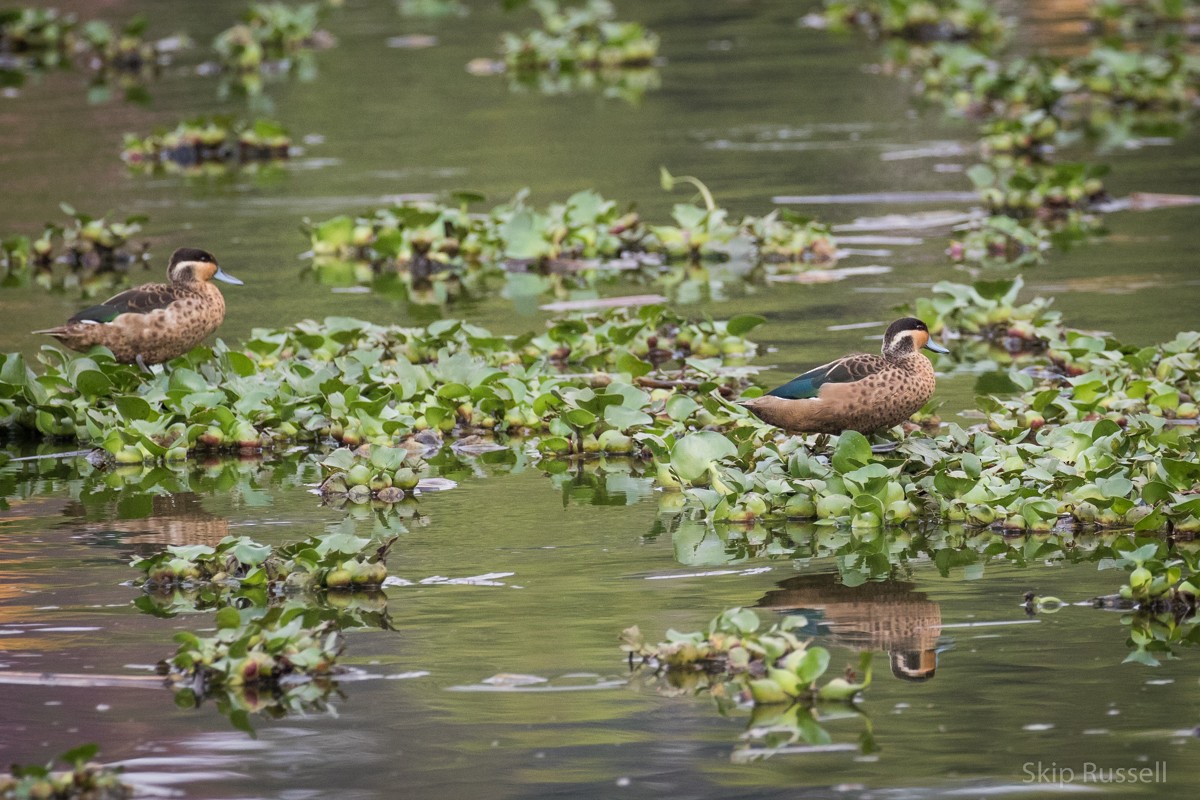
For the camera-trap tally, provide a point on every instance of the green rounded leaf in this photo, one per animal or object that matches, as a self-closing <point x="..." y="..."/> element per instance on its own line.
<point x="694" y="453"/>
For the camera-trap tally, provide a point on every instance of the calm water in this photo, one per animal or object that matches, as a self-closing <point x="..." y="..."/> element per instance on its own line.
<point x="757" y="108"/>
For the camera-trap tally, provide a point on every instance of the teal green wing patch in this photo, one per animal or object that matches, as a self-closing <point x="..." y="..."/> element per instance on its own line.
<point x="141" y="300"/>
<point x="844" y="370"/>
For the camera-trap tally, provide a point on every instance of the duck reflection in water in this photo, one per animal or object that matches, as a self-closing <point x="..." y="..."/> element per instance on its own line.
<point x="172" y="519"/>
<point x="891" y="616"/>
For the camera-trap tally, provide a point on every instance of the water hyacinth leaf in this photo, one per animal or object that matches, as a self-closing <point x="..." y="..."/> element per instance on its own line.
<point x="388" y="458"/>
<point x="92" y="383"/>
<point x="228" y="618"/>
<point x="340" y="459"/>
<point x="680" y="407"/>
<point x="133" y="407"/>
<point x="812" y="664"/>
<point x="629" y="363"/>
<point x="743" y="620"/>
<point x="80" y="755"/>
<point x="454" y="391"/>
<point x="693" y="454"/>
<point x="852" y="451"/>
<point x="580" y="417"/>
<point x="250" y="553"/>
<point x="624" y="417"/>
<point x="742" y="324"/>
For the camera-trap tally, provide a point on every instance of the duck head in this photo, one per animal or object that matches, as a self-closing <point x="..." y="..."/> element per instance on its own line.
<point x="189" y="264"/>
<point x="906" y="336"/>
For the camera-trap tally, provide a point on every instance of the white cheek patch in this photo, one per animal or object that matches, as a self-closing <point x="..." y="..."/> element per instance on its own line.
<point x="89" y="322"/>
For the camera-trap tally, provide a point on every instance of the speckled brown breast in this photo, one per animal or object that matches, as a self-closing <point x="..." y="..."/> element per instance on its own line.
<point x="886" y="397"/>
<point x="157" y="336"/>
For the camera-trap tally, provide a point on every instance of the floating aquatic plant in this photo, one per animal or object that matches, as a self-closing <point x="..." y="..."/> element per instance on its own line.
<point x="84" y="780"/>
<point x="988" y="310"/>
<point x="576" y="38"/>
<point x="93" y="250"/>
<point x="387" y="474"/>
<point x="271" y="32"/>
<point x="38" y="39"/>
<point x="582" y="241"/>
<point x="1000" y="241"/>
<point x="735" y="657"/>
<point x="276" y="661"/>
<point x="198" y="142"/>
<point x="1046" y="193"/>
<point x="333" y="561"/>
<point x="353" y="382"/>
<point x="922" y="20"/>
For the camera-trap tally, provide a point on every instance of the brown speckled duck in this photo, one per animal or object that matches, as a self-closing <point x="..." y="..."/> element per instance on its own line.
<point x="858" y="392"/>
<point x="155" y="322"/>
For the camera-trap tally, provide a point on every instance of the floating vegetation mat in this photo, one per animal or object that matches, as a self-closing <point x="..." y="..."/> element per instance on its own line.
<point x="278" y="661"/>
<point x="739" y="663"/>
<point x="36" y="39"/>
<point x="197" y="144"/>
<point x="924" y="21"/>
<point x="577" y="38"/>
<point x="580" y="242"/>
<point x="89" y="253"/>
<point x="1031" y="107"/>
<point x="83" y="781"/>
<point x="353" y="382"/>
<point x="272" y="34"/>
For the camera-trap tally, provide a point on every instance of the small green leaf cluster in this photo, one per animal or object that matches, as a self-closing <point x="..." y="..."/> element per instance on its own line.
<point x="1161" y="578"/>
<point x="1131" y="17"/>
<point x="256" y="649"/>
<point x="87" y="245"/>
<point x="1000" y="241"/>
<point x="206" y="140"/>
<point x="380" y="473"/>
<point x="332" y="561"/>
<point x="733" y="657"/>
<point x="124" y="50"/>
<point x="579" y="38"/>
<point x="626" y="83"/>
<point x="353" y="382"/>
<point x="271" y="32"/>
<point x="1025" y="138"/>
<point x="1046" y="193"/>
<point x="83" y="781"/>
<point x="44" y="38"/>
<point x="423" y="239"/>
<point x="988" y="311"/>
<point x="1066" y="88"/>
<point x="919" y="20"/>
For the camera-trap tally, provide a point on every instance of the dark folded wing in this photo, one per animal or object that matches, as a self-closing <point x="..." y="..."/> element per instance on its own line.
<point x="141" y="300"/>
<point x="844" y="370"/>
